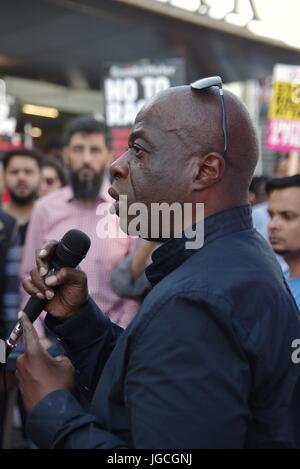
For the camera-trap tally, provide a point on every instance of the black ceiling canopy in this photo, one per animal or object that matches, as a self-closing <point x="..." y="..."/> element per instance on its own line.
<point x="54" y="40"/>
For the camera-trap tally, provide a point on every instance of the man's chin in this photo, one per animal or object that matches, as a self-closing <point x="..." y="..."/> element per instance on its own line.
<point x="281" y="252"/>
<point x="23" y="199"/>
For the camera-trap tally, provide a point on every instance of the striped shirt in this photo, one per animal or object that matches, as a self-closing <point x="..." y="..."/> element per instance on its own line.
<point x="9" y="296"/>
<point x="59" y="212"/>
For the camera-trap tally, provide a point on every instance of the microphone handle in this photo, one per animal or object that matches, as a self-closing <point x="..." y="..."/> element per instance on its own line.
<point x="33" y="309"/>
<point x="65" y="255"/>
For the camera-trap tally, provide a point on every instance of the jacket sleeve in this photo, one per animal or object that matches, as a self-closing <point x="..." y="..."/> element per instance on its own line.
<point x="10" y="300"/>
<point x="58" y="421"/>
<point x="123" y="283"/>
<point x="188" y="379"/>
<point x="186" y="386"/>
<point x="88" y="340"/>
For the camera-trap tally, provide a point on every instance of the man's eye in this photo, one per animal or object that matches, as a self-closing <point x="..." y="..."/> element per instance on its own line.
<point x="77" y="149"/>
<point x="139" y="151"/>
<point x="288" y="216"/>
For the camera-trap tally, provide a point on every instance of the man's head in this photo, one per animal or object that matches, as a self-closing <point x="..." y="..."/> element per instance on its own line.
<point x="54" y="149"/>
<point x="87" y="154"/>
<point x="281" y="166"/>
<point x="257" y="190"/>
<point x="22" y="174"/>
<point x="284" y="210"/>
<point x="176" y="150"/>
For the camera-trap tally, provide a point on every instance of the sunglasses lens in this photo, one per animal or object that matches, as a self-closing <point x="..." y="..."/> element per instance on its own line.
<point x="49" y="181"/>
<point x="207" y="83"/>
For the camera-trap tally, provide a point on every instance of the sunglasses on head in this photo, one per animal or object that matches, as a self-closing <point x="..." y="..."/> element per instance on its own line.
<point x="208" y="82"/>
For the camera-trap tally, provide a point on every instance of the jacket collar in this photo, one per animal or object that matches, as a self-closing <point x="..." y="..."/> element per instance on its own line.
<point x="172" y="253"/>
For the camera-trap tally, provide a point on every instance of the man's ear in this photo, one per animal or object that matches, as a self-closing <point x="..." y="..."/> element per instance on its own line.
<point x="209" y="169"/>
<point x="251" y="198"/>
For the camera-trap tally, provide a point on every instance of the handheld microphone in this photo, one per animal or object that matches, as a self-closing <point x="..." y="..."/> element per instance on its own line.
<point x="69" y="252"/>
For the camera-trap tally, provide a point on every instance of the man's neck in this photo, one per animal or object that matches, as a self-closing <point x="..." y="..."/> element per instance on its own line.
<point x="294" y="265"/>
<point x="21" y="212"/>
<point x="221" y="201"/>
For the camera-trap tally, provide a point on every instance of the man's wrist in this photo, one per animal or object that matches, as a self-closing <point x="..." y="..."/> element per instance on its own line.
<point x="73" y="314"/>
<point x="89" y="325"/>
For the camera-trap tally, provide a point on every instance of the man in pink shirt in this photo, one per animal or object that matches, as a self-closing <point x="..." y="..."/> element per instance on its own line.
<point x="78" y="206"/>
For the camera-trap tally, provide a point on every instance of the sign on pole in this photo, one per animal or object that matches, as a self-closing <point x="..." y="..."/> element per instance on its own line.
<point x="7" y="122"/>
<point x="284" y="112"/>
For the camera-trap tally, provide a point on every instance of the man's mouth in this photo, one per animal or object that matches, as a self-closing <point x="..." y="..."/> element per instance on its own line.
<point x="86" y="171"/>
<point x="115" y="207"/>
<point x="113" y="193"/>
<point x="22" y="187"/>
<point x="274" y="240"/>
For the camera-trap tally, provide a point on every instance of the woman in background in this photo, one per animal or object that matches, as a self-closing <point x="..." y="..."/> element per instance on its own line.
<point x="53" y="177"/>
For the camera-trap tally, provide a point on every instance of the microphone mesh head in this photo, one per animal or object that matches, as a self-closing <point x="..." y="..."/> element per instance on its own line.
<point x="77" y="242"/>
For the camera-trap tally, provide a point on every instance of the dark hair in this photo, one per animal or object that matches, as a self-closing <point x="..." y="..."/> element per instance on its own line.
<point x="88" y="125"/>
<point x="283" y="183"/>
<point x="28" y="152"/>
<point x="53" y="144"/>
<point x="60" y="171"/>
<point x="258" y="184"/>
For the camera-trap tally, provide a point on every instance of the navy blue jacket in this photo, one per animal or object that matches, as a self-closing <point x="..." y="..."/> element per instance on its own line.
<point x="206" y="363"/>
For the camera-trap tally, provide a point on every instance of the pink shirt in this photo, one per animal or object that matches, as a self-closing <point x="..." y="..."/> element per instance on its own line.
<point x="59" y="212"/>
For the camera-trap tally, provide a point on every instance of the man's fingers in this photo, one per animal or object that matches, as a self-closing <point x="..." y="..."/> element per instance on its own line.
<point x="43" y="255"/>
<point x="59" y="358"/>
<point x="66" y="276"/>
<point x="63" y="359"/>
<point x="31" y="339"/>
<point x="35" y="286"/>
<point x="39" y="283"/>
<point x="66" y="367"/>
<point x="31" y="289"/>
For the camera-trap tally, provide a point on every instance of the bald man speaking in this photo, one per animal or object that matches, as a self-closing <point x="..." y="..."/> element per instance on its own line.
<point x="207" y="361"/>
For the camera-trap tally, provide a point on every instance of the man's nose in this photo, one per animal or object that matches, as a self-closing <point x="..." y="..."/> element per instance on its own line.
<point x="87" y="156"/>
<point x="119" y="168"/>
<point x="22" y="176"/>
<point x="273" y="224"/>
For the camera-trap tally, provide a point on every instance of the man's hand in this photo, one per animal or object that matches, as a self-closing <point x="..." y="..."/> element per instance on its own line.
<point x="38" y="373"/>
<point x="71" y="292"/>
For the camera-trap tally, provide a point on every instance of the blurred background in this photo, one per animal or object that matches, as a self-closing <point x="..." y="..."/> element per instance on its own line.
<point x="98" y="61"/>
<point x="56" y="55"/>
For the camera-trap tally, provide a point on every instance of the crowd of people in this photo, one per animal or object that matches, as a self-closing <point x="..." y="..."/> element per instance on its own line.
<point x="43" y="197"/>
<point x="276" y="216"/>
